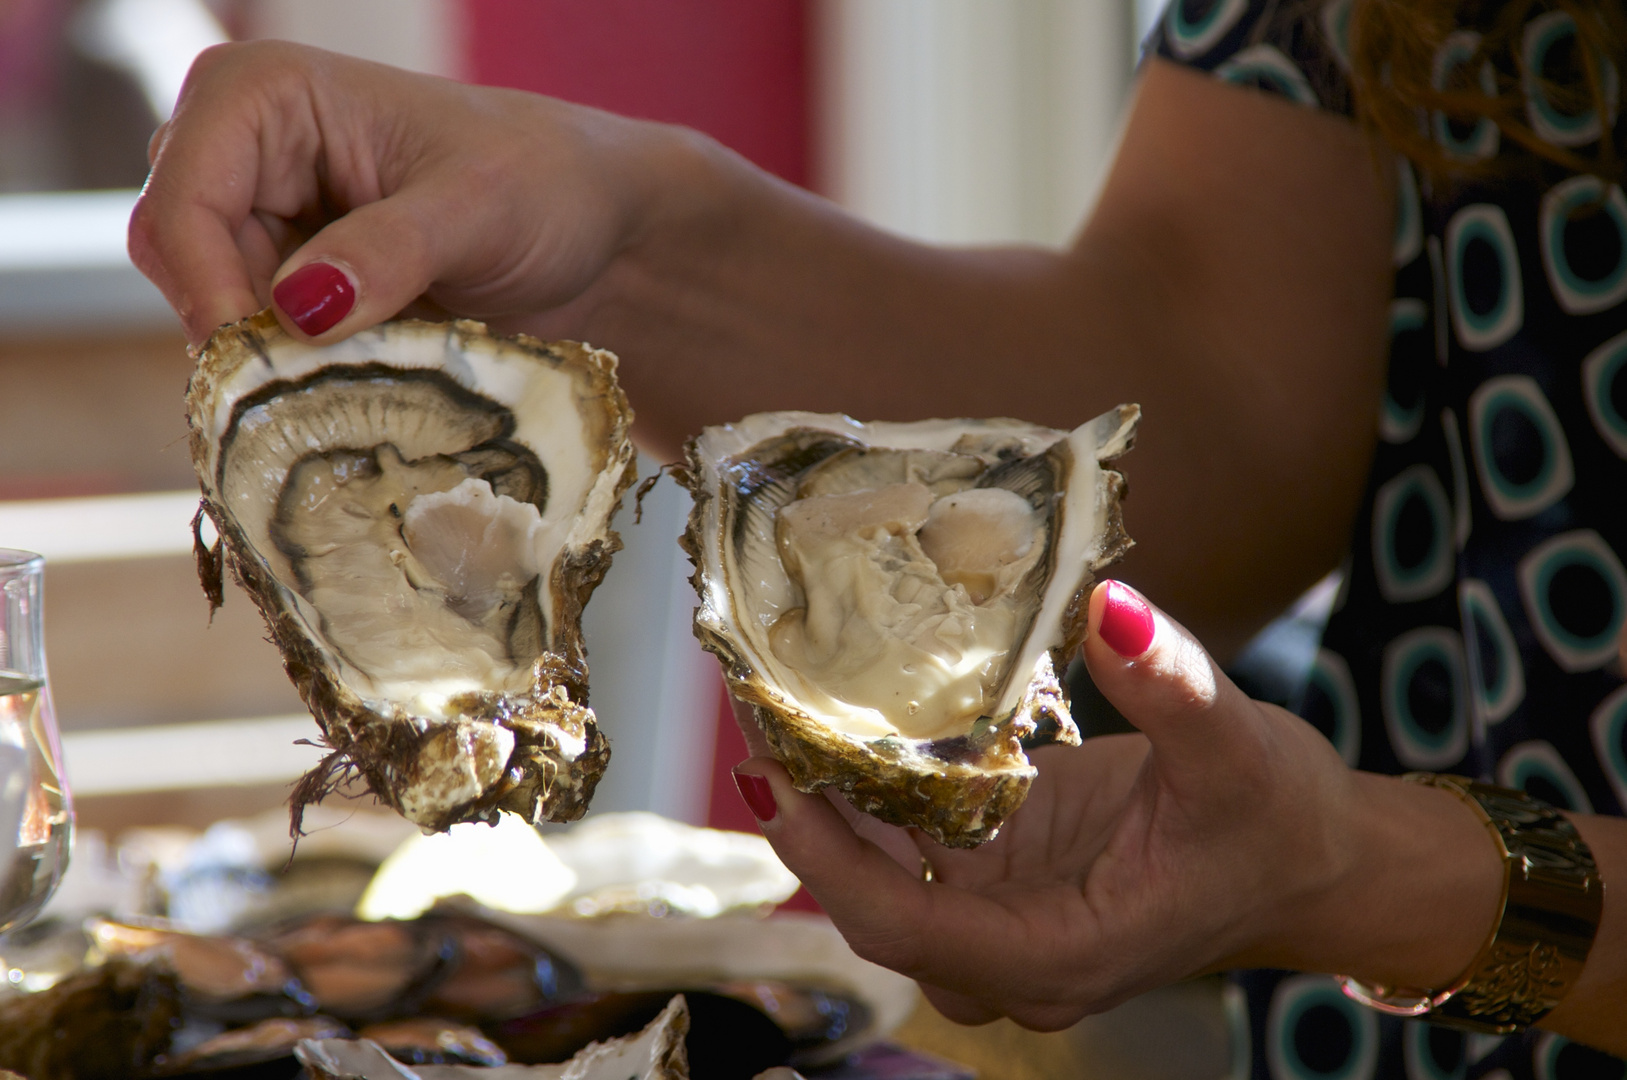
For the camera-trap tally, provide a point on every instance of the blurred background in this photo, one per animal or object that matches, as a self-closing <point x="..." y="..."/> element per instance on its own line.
<point x="961" y="121"/>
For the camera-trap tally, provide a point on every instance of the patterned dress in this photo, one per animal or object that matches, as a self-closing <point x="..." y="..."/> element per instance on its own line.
<point x="1484" y="595"/>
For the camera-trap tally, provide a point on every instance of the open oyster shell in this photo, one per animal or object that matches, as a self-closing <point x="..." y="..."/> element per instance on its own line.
<point x="655" y="1053"/>
<point x="896" y="600"/>
<point x="420" y="513"/>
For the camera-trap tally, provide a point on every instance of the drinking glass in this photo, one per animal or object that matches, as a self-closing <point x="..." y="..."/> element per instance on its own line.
<point x="36" y="811"/>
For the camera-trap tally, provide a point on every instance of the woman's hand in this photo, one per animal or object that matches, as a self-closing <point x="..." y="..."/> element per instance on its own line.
<point x="1228" y="833"/>
<point x="490" y="202"/>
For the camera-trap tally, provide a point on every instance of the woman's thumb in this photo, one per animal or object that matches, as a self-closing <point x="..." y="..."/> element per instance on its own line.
<point x="1162" y="680"/>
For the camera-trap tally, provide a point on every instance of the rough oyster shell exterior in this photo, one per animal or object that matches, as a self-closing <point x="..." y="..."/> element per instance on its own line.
<point x="958" y="790"/>
<point x="535" y="750"/>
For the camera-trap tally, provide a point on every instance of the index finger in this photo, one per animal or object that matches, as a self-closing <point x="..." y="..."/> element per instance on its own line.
<point x="193" y="232"/>
<point x="1002" y="948"/>
<point x="191" y="254"/>
<point x="756" y="741"/>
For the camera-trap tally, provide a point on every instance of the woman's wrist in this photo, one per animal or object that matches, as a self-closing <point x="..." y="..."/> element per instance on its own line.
<point x="1430" y="889"/>
<point x="676" y="194"/>
<point x="1413" y="897"/>
<point x="673" y="185"/>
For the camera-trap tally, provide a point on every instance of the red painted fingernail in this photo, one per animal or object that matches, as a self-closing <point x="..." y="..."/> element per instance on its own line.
<point x="1126" y="622"/>
<point x="759" y="795"/>
<point x="316" y="297"/>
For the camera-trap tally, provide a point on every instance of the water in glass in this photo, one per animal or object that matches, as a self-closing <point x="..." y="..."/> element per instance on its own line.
<point x="36" y="810"/>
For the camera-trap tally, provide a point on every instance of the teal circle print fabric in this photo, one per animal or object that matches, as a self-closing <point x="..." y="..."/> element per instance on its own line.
<point x="1479" y="624"/>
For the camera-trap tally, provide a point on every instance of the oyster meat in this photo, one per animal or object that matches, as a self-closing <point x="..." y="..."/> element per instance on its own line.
<point x="895" y="601"/>
<point x="420" y="513"/>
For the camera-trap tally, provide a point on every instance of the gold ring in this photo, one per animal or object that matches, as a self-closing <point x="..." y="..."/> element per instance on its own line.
<point x="927" y="873"/>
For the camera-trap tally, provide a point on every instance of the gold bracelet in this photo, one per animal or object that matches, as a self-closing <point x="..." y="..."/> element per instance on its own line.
<point x="1546" y="921"/>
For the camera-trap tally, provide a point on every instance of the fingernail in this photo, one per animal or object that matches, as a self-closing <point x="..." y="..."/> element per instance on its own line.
<point x="1126" y="622"/>
<point x="316" y="297"/>
<point x="759" y="795"/>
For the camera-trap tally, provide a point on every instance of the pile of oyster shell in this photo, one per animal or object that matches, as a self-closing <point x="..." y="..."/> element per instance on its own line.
<point x="446" y="989"/>
<point x="422" y="511"/>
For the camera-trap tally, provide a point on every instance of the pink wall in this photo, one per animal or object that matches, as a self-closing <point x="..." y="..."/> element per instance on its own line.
<point x="735" y="69"/>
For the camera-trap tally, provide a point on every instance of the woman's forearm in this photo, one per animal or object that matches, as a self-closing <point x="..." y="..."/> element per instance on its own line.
<point x="1253" y="339"/>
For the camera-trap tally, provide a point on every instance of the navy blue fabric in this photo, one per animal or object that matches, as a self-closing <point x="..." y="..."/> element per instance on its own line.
<point x="1484" y="594"/>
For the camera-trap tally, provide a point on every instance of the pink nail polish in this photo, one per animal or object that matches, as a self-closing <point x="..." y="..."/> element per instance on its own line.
<point x="759" y="796"/>
<point x="1127" y="624"/>
<point x="316" y="297"/>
